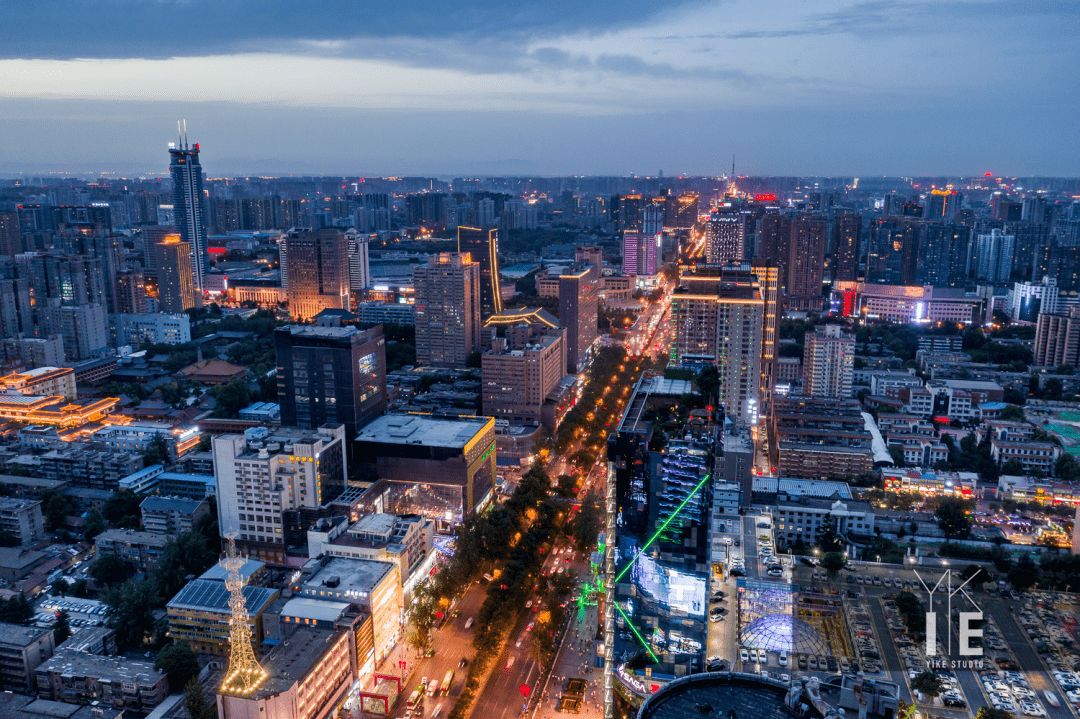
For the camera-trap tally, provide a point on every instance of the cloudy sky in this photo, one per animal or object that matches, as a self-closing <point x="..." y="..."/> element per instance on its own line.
<point x="790" y="87"/>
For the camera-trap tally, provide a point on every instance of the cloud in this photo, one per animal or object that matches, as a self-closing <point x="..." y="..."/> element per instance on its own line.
<point x="900" y="17"/>
<point x="154" y="29"/>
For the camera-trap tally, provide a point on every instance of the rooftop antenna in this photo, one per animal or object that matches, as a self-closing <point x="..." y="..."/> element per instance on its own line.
<point x="186" y="145"/>
<point x="732" y="165"/>
<point x="179" y="135"/>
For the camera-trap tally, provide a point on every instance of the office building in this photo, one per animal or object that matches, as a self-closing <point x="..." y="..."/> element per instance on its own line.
<point x="139" y="438"/>
<point x="1035" y="457"/>
<point x="483" y="248"/>
<point x="800" y="521"/>
<point x="308" y="675"/>
<point x="847" y="245"/>
<point x="189" y="210"/>
<point x="993" y="256"/>
<point x="805" y="263"/>
<point x="1026" y="301"/>
<point x="724" y="238"/>
<point x="521" y="370"/>
<point x="942" y="205"/>
<point x="828" y="362"/>
<point x="22" y="651"/>
<point x="317" y="273"/>
<point x="199" y="613"/>
<point x="578" y="311"/>
<point x="907" y="303"/>
<point x="135" y="330"/>
<point x="176" y="283"/>
<point x="141" y="549"/>
<point x="375" y="587"/>
<point x="447" y="309"/>
<point x="402" y="540"/>
<point x="943" y="255"/>
<point x="117" y="682"/>
<point x="330" y="375"/>
<point x="21" y="518"/>
<point x="441" y="467"/>
<point x="1057" y="339"/>
<point x="265" y="480"/>
<point x="171" y="515"/>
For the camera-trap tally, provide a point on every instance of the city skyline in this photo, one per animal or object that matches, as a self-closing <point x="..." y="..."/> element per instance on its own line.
<point x="847" y="88"/>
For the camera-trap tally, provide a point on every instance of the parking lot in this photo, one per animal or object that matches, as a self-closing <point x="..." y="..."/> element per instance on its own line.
<point x="1029" y="643"/>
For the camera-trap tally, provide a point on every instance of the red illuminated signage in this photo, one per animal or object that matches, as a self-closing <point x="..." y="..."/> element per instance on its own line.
<point x="764" y="198"/>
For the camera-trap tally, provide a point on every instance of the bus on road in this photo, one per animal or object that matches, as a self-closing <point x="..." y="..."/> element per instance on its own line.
<point x="446" y="682"/>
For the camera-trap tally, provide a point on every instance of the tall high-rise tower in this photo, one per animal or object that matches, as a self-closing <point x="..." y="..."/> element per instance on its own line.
<point x="828" y="362"/>
<point x="189" y="207"/>
<point x="448" y="292"/>
<point x="176" y="288"/>
<point x="483" y="246"/>
<point x="316" y="272"/>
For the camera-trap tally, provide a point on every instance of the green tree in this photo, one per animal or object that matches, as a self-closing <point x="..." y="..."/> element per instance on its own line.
<point x="928" y="683"/>
<point x="992" y="713"/>
<point x="59" y="587"/>
<point x="16" y="610"/>
<point x="708" y="381"/>
<point x="132" y="612"/>
<point x="122" y="509"/>
<point x="1013" y="413"/>
<point x="205" y="443"/>
<point x="832" y="563"/>
<point x="62" y="628"/>
<point x="1012" y="466"/>
<point x="187" y="554"/>
<point x="178" y="662"/>
<point x="78" y="589"/>
<point x="93" y="524"/>
<point x="1023" y="574"/>
<point x="952" y="517"/>
<point x="422" y="617"/>
<point x="566" y="485"/>
<point x="57" y="508"/>
<point x="587" y="523"/>
<point x="897" y="454"/>
<point x="912" y="612"/>
<point x="828" y="541"/>
<point x="110" y="569"/>
<point x="231" y="398"/>
<point x="156" y="452"/>
<point x="196" y="703"/>
<point x="976" y="573"/>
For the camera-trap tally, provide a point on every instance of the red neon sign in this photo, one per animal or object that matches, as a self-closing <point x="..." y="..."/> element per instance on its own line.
<point x="765" y="198"/>
<point x="216" y="249"/>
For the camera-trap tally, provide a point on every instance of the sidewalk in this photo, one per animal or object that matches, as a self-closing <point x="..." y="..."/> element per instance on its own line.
<point x="575" y="659"/>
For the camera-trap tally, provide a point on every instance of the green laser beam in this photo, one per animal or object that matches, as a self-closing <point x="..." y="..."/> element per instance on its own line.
<point x="637" y="633"/>
<point x="662" y="527"/>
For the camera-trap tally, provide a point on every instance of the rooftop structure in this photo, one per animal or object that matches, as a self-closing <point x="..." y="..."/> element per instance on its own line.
<point x="429" y="464"/>
<point x="43" y="381"/>
<point x="17" y="706"/>
<point x="114" y="681"/>
<point x="54" y="409"/>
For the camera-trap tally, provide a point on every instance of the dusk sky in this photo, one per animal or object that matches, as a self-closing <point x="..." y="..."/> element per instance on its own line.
<point x="555" y="87"/>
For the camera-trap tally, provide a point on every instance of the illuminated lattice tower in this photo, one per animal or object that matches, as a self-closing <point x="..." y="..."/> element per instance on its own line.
<point x="244" y="675"/>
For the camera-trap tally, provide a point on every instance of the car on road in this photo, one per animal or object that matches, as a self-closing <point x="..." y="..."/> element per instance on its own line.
<point x="529" y="626"/>
<point x="464" y="661"/>
<point x="813" y="663"/>
<point x="803" y="662"/>
<point x="743" y="655"/>
<point x="469" y="622"/>
<point x="858" y="579"/>
<point x="775" y="572"/>
<point x="783" y="658"/>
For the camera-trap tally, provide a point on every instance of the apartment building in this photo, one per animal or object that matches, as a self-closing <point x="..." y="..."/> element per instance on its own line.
<point x="21" y="518"/>
<point x="142" y="549"/>
<point x="172" y="515"/>
<point x="117" y="682"/>
<point x="22" y="650"/>
<point x="265" y="478"/>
